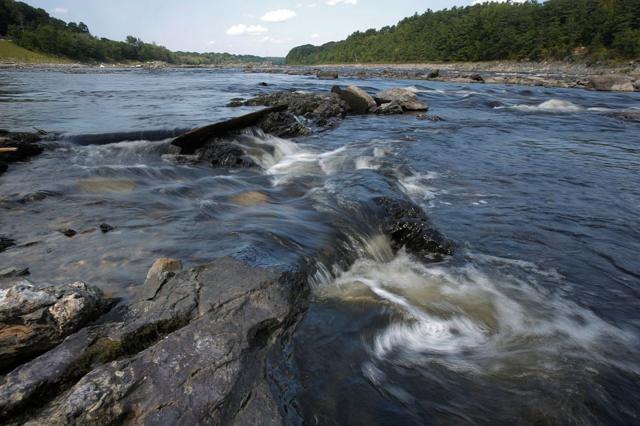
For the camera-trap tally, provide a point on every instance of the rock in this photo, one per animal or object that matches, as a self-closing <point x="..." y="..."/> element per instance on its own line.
<point x="27" y="144"/>
<point x="106" y="185"/>
<point x="13" y="272"/>
<point x="429" y="117"/>
<point x="611" y="82"/>
<point x="628" y="115"/>
<point x="262" y="83"/>
<point x="327" y="75"/>
<point x="33" y="320"/>
<point x="284" y="125"/>
<point x="636" y="85"/>
<point x="434" y="74"/>
<point x="359" y="101"/>
<point x="105" y="228"/>
<point x="251" y="198"/>
<point x="406" y="98"/>
<point x="161" y="270"/>
<point x="236" y="102"/>
<point x="68" y="232"/>
<point x="390" y="108"/>
<point x="408" y="226"/>
<point x="195" y="354"/>
<point x="5" y="243"/>
<point x="476" y="77"/>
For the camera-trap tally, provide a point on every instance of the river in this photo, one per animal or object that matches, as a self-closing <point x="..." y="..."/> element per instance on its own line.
<point x="535" y="319"/>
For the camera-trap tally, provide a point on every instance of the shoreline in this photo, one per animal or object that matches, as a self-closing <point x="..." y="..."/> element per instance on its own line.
<point x="602" y="77"/>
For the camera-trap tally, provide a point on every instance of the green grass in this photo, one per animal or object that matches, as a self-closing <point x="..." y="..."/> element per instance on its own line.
<point x="12" y="53"/>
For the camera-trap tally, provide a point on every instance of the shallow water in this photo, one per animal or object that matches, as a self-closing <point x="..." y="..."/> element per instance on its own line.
<point x="535" y="319"/>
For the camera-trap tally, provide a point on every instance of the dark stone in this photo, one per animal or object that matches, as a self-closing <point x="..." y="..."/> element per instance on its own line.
<point x="236" y="102"/>
<point x="434" y="74"/>
<point x="327" y="75"/>
<point x="3" y="167"/>
<point x="27" y="144"/>
<point x="390" y="108"/>
<point x="262" y="83"/>
<point x="70" y="233"/>
<point x="6" y="242"/>
<point x="105" y="228"/>
<point x="429" y="117"/>
<point x="476" y="77"/>
<point x="408" y="226"/>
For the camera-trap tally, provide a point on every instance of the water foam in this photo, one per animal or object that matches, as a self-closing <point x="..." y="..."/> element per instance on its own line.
<point x="465" y="318"/>
<point x="552" y="105"/>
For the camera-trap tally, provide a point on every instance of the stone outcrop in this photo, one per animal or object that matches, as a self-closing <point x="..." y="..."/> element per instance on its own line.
<point x="407" y="99"/>
<point x="33" y="320"/>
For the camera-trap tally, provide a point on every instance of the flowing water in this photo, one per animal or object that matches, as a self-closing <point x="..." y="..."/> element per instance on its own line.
<point x="535" y="319"/>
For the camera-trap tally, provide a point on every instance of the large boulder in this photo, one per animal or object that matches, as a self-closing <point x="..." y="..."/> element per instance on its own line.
<point x="405" y="97"/>
<point x="611" y="83"/>
<point x="359" y="101"/>
<point x="33" y="320"/>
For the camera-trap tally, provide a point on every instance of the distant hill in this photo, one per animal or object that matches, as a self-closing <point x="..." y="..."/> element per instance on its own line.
<point x="34" y="30"/>
<point x="555" y="29"/>
<point x="11" y="52"/>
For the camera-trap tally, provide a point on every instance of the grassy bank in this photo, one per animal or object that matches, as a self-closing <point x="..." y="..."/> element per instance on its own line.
<point x="12" y="53"/>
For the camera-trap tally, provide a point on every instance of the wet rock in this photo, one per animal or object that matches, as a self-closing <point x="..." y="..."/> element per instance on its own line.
<point x="236" y="102"/>
<point x="327" y="75"/>
<point x="195" y="353"/>
<point x="27" y="145"/>
<point x="390" y="108"/>
<point x="106" y="228"/>
<point x="6" y="242"/>
<point x="433" y="74"/>
<point x="13" y="272"/>
<point x="408" y="226"/>
<point x="406" y="98"/>
<point x="308" y="105"/>
<point x="33" y="320"/>
<point x="262" y="83"/>
<point x="284" y="125"/>
<point x="68" y="232"/>
<point x="476" y="78"/>
<point x="628" y="115"/>
<point x="359" y="101"/>
<point x="611" y="82"/>
<point x="429" y="117"/>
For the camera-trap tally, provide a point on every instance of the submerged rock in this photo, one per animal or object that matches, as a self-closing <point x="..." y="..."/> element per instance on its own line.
<point x="628" y="115"/>
<point x="33" y="320"/>
<point x="406" y="98"/>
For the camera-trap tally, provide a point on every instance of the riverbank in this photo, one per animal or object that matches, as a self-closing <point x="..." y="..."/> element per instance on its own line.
<point x="604" y="77"/>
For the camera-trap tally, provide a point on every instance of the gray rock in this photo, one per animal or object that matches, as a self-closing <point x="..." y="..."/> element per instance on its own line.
<point x="406" y="98"/>
<point x="390" y="108"/>
<point x="210" y="365"/>
<point x="359" y="101"/>
<point x="327" y="75"/>
<point x="611" y="82"/>
<point x="33" y="320"/>
<point x="28" y="145"/>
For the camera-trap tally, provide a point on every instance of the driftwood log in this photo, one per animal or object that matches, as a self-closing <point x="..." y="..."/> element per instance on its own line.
<point x="194" y="139"/>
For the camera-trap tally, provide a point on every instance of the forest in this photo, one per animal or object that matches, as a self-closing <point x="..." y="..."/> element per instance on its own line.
<point x="589" y="30"/>
<point x="36" y="30"/>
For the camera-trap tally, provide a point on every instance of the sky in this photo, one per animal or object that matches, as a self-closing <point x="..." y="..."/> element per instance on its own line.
<point x="257" y="27"/>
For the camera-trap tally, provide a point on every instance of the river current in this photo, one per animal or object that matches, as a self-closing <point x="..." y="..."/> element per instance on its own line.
<point x="535" y="319"/>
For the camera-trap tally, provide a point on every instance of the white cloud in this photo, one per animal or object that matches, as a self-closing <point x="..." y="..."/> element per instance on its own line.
<point x="60" y="10"/>
<point x="242" y="29"/>
<point x="212" y="42"/>
<point x="310" y="5"/>
<point x="335" y="2"/>
<point x="316" y="35"/>
<point x="279" y="15"/>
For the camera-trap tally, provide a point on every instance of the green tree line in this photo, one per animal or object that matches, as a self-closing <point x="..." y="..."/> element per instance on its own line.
<point x="554" y="29"/>
<point x="35" y="30"/>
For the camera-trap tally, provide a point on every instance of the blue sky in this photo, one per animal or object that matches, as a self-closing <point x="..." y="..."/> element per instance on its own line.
<point x="265" y="27"/>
